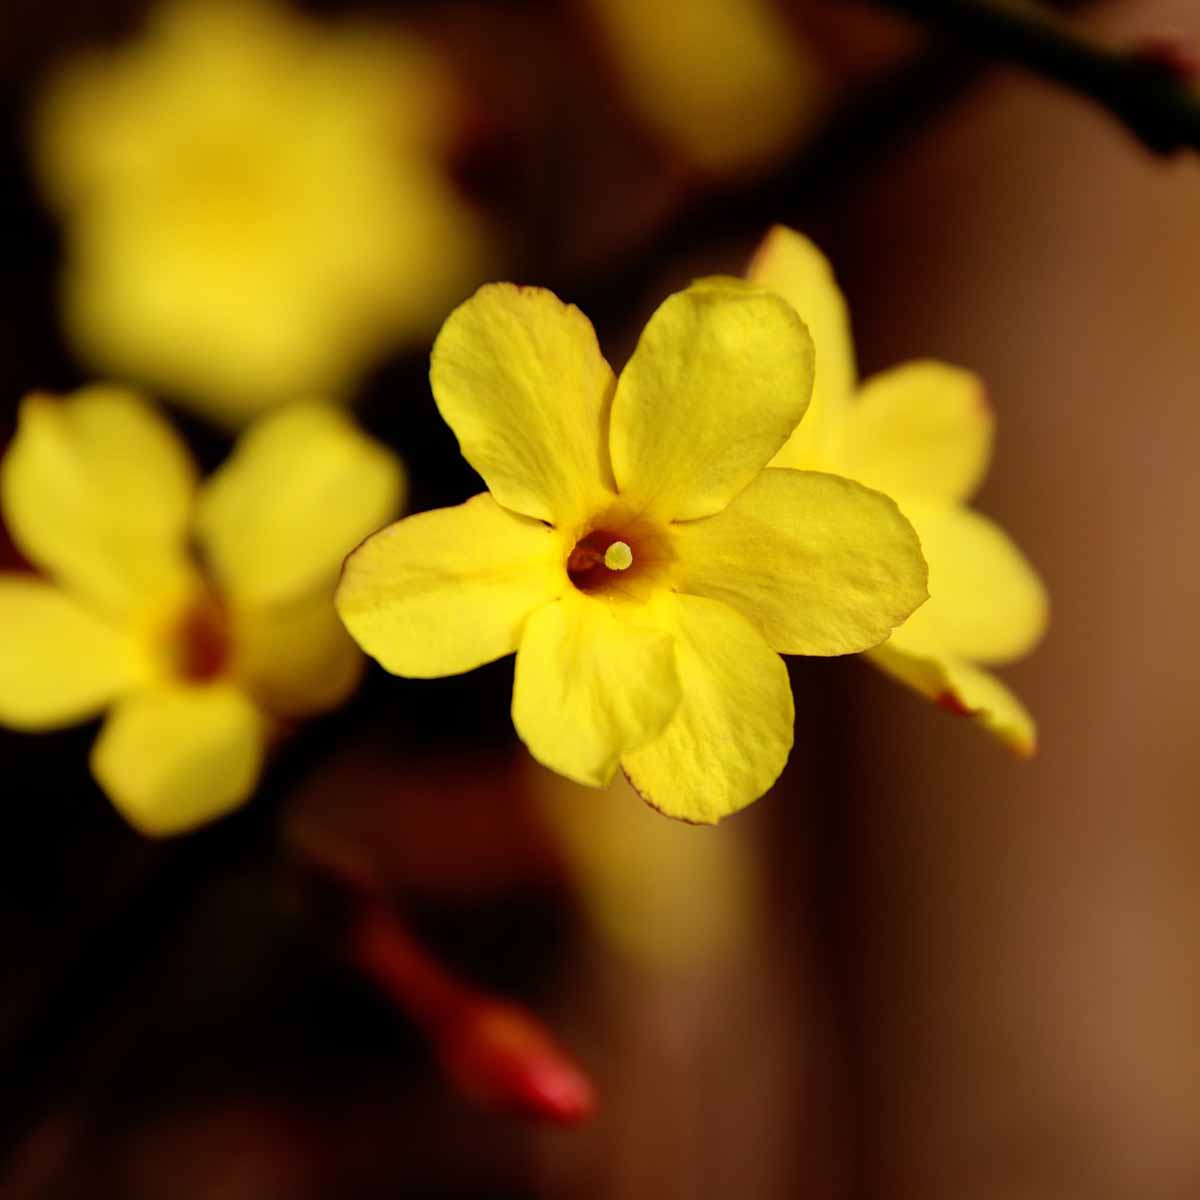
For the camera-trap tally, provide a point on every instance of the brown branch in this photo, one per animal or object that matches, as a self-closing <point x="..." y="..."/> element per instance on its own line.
<point x="1150" y="89"/>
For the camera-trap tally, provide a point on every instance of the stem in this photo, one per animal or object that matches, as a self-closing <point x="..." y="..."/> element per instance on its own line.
<point x="495" y="1051"/>
<point x="1147" y="89"/>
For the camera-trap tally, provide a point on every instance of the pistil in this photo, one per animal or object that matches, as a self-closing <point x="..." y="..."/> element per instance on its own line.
<point x="618" y="557"/>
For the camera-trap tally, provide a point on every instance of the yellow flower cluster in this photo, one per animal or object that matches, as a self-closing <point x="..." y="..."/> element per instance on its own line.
<point x="648" y="547"/>
<point x="256" y="209"/>
<point x="647" y="565"/>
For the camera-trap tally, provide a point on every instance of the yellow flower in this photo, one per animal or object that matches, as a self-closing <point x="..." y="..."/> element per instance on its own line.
<point x="199" y="665"/>
<point x="921" y="433"/>
<point x="728" y="84"/>
<point x="632" y="550"/>
<point x="255" y="205"/>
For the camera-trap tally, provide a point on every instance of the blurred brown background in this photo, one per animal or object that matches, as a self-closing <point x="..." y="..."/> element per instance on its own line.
<point x="975" y="977"/>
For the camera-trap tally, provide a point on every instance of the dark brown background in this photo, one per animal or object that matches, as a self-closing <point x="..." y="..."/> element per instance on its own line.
<point x="979" y="977"/>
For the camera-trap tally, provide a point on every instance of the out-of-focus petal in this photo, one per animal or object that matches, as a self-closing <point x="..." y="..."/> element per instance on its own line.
<point x="819" y="563"/>
<point x="594" y="679"/>
<point x="727" y="83"/>
<point x="302" y="488"/>
<point x="519" y="377"/>
<point x="446" y="591"/>
<point x="985" y="599"/>
<point x="667" y="895"/>
<point x="791" y="266"/>
<point x="176" y="757"/>
<point x="97" y="490"/>
<point x="720" y="378"/>
<point x="916" y="657"/>
<point x="731" y="733"/>
<point x="59" y="663"/>
<point x="296" y="658"/>
<point x="922" y="429"/>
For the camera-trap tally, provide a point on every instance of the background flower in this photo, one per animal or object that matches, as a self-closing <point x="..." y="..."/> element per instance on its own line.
<point x="256" y="206"/>
<point x="921" y="433"/>
<point x="728" y="85"/>
<point x="199" y="663"/>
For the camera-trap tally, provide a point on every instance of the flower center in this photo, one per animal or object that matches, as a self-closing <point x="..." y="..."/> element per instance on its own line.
<point x="622" y="555"/>
<point x="595" y="557"/>
<point x="203" y="646"/>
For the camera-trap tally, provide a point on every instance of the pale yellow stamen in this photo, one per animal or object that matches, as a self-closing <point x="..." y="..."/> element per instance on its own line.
<point x="618" y="557"/>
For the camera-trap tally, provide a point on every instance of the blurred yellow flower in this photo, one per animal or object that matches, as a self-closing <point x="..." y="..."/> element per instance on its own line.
<point x="633" y="551"/>
<point x="667" y="896"/>
<point x="255" y="205"/>
<point x="199" y="663"/>
<point x="728" y="84"/>
<point x="921" y="433"/>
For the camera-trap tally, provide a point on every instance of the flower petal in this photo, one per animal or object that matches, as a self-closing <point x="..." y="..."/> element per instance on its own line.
<point x="177" y="757"/>
<point x="791" y="266"/>
<point x="919" y="661"/>
<point x="98" y="490"/>
<point x="922" y="429"/>
<point x="302" y="488"/>
<point x="731" y="734"/>
<point x="593" y="681"/>
<point x="59" y="663"/>
<point x="822" y="565"/>
<point x="449" y="590"/>
<point x="985" y="600"/>
<point x="519" y="377"/>
<point x="720" y="378"/>
<point x="296" y="659"/>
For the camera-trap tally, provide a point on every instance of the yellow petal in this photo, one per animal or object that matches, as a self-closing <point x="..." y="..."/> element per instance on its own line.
<point x="59" y="663"/>
<point x="446" y="591"/>
<point x="821" y="564"/>
<point x="985" y="600"/>
<point x="959" y="687"/>
<point x="519" y="377"/>
<point x="594" y="680"/>
<point x="719" y="379"/>
<point x="791" y="266"/>
<point x="297" y="658"/>
<point x="731" y="734"/>
<point x="98" y="490"/>
<point x="726" y="82"/>
<point x="302" y="488"/>
<point x="922" y="429"/>
<point x="174" y="758"/>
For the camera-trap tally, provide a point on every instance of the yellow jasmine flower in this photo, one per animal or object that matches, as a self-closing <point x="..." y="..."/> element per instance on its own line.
<point x="197" y="662"/>
<point x="632" y="550"/>
<point x="255" y="205"/>
<point x="921" y="433"/>
<point x="729" y="84"/>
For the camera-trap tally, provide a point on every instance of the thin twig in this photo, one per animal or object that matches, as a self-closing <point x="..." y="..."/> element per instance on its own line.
<point x="1149" y="88"/>
<point x="494" y="1050"/>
